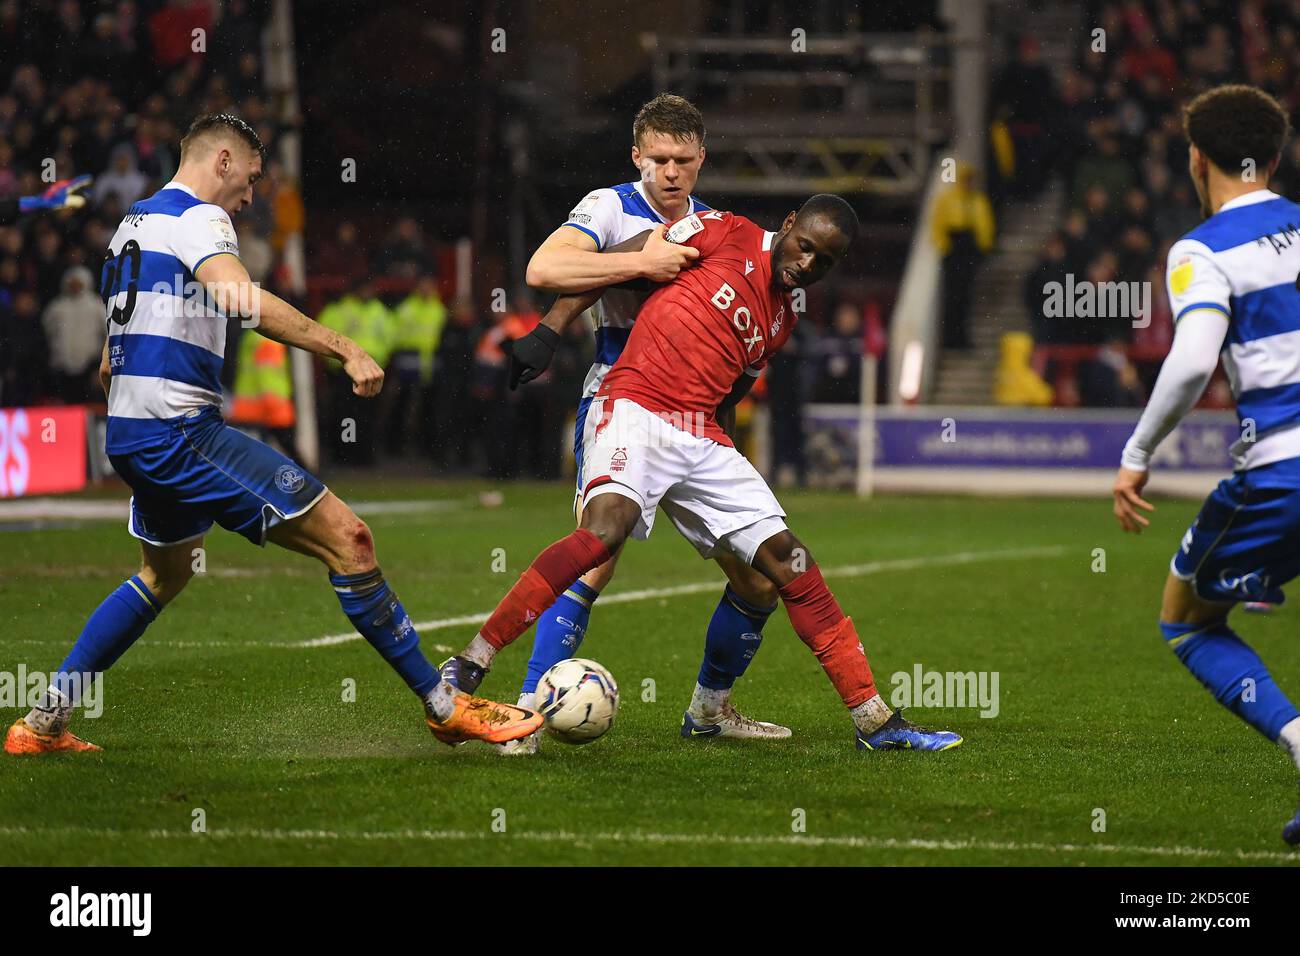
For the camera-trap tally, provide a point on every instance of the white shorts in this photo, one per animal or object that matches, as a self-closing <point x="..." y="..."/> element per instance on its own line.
<point x="710" y="492"/>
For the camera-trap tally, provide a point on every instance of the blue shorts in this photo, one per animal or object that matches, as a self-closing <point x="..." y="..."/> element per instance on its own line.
<point x="1245" y="543"/>
<point x="579" y="426"/>
<point x="208" y="472"/>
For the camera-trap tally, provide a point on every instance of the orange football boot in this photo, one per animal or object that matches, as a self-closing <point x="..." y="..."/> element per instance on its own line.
<point x="476" y="718"/>
<point x="21" y="739"/>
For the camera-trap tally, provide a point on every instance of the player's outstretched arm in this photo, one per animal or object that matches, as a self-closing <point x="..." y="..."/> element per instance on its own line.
<point x="531" y="355"/>
<point x="1183" y="377"/>
<point x="568" y="261"/>
<point x="227" y="282"/>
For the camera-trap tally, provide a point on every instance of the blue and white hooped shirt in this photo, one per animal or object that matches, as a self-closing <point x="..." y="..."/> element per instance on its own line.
<point x="610" y="216"/>
<point x="1244" y="262"/>
<point x="166" y="339"/>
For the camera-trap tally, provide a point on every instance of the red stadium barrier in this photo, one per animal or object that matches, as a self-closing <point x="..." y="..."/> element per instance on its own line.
<point x="42" y="450"/>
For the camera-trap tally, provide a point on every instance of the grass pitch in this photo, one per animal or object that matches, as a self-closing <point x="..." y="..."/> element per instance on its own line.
<point x="224" y="706"/>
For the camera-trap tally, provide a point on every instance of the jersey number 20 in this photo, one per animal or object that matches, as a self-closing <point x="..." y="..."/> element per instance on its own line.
<point x="112" y="269"/>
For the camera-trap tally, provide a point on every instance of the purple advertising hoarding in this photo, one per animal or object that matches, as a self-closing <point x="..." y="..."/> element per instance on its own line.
<point x="1017" y="438"/>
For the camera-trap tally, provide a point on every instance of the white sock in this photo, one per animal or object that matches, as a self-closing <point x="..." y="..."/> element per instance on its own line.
<point x="479" y="651"/>
<point x="527" y="701"/>
<point x="1290" y="739"/>
<point x="51" y="715"/>
<point x="708" y="703"/>
<point x="441" y="701"/>
<point x="870" y="716"/>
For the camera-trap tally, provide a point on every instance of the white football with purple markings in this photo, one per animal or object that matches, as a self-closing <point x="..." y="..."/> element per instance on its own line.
<point x="579" y="699"/>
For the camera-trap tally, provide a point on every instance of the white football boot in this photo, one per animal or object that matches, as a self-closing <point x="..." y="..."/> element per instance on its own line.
<point x="711" y="715"/>
<point x="523" y="746"/>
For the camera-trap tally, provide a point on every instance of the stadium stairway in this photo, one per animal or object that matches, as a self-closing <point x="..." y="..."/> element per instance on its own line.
<point x="966" y="377"/>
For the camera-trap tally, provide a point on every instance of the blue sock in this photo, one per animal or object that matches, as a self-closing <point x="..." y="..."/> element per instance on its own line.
<point x="116" y="624"/>
<point x="379" y="617"/>
<point x="560" y="631"/>
<point x="1233" y="673"/>
<point x="734" y="635"/>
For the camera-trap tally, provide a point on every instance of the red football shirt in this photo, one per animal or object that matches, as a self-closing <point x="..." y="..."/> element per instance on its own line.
<point x="719" y="319"/>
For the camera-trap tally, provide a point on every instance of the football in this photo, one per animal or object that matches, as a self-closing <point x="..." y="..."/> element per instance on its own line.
<point x="579" y="699"/>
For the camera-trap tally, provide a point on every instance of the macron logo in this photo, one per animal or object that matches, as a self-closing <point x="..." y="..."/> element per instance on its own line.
<point x="749" y="266"/>
<point x="103" y="909"/>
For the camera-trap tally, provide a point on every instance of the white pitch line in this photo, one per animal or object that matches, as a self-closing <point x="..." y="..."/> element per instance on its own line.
<point x="646" y="594"/>
<point x="182" y="645"/>
<point x="638" y="837"/>
<point x="620" y="597"/>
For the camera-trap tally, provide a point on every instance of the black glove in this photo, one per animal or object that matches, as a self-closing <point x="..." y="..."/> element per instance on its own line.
<point x="530" y="356"/>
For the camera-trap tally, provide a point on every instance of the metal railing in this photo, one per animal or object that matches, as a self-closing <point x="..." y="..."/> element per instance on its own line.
<point x="879" y="108"/>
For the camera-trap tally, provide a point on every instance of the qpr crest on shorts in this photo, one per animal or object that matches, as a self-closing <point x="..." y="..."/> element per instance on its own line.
<point x="289" y="479"/>
<point x="1252" y="585"/>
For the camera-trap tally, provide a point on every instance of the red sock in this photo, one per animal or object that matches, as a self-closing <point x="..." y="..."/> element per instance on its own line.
<point x="537" y="588"/>
<point x="819" y="622"/>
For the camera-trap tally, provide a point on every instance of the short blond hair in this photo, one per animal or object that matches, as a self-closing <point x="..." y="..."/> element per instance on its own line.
<point x="220" y="124"/>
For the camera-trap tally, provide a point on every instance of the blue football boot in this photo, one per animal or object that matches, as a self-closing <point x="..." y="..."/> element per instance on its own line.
<point x="462" y="673"/>
<point x="901" y="734"/>
<point x="1291" y="832"/>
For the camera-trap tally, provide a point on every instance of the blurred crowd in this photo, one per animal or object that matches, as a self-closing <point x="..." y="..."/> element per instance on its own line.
<point x="447" y="395"/>
<point x="106" y="88"/>
<point x="1112" y="130"/>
